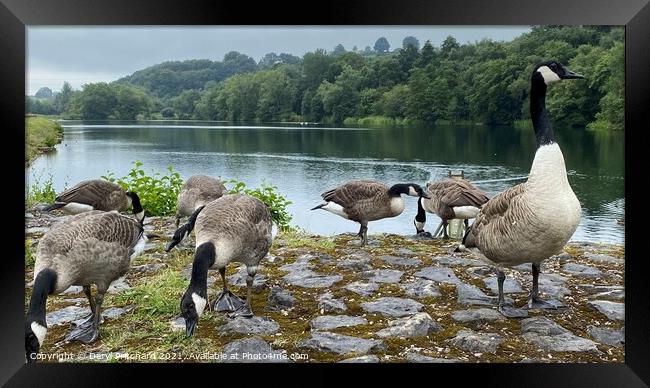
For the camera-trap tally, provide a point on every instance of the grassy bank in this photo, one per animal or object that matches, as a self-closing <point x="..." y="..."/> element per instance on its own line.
<point x="41" y="136"/>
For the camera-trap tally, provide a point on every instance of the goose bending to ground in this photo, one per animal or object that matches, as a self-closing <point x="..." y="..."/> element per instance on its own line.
<point x="450" y="199"/>
<point x="197" y="191"/>
<point x="97" y="194"/>
<point x="94" y="247"/>
<point x="534" y="220"/>
<point x="235" y="227"/>
<point x="363" y="201"/>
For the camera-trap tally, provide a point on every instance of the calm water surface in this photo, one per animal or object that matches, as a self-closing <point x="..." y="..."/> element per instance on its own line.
<point x="304" y="161"/>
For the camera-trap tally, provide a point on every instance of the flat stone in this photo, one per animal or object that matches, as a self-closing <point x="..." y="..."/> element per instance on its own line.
<point x="473" y="342"/>
<point x="369" y="359"/>
<point x="440" y="275"/>
<point x="118" y="286"/>
<point x="472" y="295"/>
<point x="479" y="272"/>
<point x="327" y="322"/>
<point x="581" y="270"/>
<point x="357" y="263"/>
<point x="510" y="285"/>
<point x="525" y="267"/>
<point x="383" y="275"/>
<point x="550" y="336"/>
<point x="37" y="230"/>
<point x="254" y="325"/>
<point x="476" y="315"/>
<point x="613" y="310"/>
<point x="611" y="337"/>
<point x="177" y="324"/>
<point x="149" y="268"/>
<point x="329" y="304"/>
<point x="252" y="349"/>
<point x="116" y="312"/>
<point x="363" y="289"/>
<point x="65" y="315"/>
<point x="420" y="358"/>
<point x="553" y="285"/>
<point x="339" y="343"/>
<point x="401" y="261"/>
<point x="404" y="252"/>
<point x="238" y="279"/>
<point x="72" y="290"/>
<point x="421" y="288"/>
<point x="418" y="325"/>
<point x="393" y="307"/>
<point x="280" y="299"/>
<point x="311" y="279"/>
<point x="458" y="261"/>
<point x="296" y="266"/>
<point x="600" y="258"/>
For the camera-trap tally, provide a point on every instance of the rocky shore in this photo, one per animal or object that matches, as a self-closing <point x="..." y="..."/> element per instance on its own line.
<point x="326" y="299"/>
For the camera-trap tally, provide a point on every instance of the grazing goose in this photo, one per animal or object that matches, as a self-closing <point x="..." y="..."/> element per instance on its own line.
<point x="367" y="200"/>
<point x="450" y="199"/>
<point x="235" y="227"/>
<point x="197" y="191"/>
<point x="94" y="247"/>
<point x="535" y="219"/>
<point x="97" y="194"/>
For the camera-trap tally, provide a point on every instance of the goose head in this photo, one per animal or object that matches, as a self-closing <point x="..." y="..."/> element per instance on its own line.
<point x="34" y="337"/>
<point x="411" y="189"/>
<point x="549" y="72"/>
<point x="134" y="200"/>
<point x="192" y="307"/>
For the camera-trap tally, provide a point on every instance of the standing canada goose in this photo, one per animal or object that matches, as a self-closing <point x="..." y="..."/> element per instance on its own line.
<point x="535" y="219"/>
<point x="94" y="247"/>
<point x="368" y="200"/>
<point x="235" y="227"/>
<point x="97" y="194"/>
<point x="450" y="199"/>
<point x="197" y="191"/>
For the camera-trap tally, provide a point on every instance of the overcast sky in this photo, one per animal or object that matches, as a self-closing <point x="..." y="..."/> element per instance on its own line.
<point x="93" y="54"/>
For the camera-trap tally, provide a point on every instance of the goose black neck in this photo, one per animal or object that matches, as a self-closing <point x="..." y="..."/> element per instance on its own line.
<point x="203" y="260"/>
<point x="44" y="285"/>
<point x="541" y="123"/>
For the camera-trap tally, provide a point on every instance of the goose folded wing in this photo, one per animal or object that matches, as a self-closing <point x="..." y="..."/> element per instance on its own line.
<point x="85" y="193"/>
<point x="349" y="195"/>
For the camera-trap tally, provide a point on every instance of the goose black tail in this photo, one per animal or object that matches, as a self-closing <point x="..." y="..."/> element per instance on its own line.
<point x="54" y="206"/>
<point x="318" y="207"/>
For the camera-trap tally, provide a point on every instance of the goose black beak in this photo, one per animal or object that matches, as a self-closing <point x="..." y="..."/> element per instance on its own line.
<point x="190" y="325"/>
<point x="568" y="74"/>
<point x="171" y="245"/>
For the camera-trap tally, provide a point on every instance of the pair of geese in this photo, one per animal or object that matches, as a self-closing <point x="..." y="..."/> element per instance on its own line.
<point x="526" y="223"/>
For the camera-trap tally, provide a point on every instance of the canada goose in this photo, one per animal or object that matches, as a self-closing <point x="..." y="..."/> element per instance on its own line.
<point x="94" y="247"/>
<point x="368" y="200"/>
<point x="535" y="219"/>
<point x="450" y="199"/>
<point x="97" y="194"/>
<point x="235" y="227"/>
<point x="197" y="191"/>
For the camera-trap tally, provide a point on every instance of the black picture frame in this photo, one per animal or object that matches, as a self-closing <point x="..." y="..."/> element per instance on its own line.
<point x="15" y="15"/>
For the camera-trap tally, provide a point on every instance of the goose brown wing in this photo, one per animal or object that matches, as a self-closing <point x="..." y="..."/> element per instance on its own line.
<point x="355" y="193"/>
<point x="466" y="194"/>
<point x="495" y="216"/>
<point x="90" y="192"/>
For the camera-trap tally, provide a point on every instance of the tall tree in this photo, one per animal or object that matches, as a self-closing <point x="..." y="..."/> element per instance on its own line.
<point x="411" y="41"/>
<point x="382" y="45"/>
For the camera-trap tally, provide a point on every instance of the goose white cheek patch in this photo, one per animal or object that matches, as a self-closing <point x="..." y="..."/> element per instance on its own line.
<point x="412" y="192"/>
<point x="548" y="74"/>
<point x="199" y="303"/>
<point x="39" y="332"/>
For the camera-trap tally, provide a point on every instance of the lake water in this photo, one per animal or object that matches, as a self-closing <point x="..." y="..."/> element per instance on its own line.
<point x="304" y="161"/>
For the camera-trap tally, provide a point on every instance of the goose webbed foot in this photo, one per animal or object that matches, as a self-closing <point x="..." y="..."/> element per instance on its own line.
<point x="86" y="332"/>
<point x="227" y="301"/>
<point x="243" y="311"/>
<point x="538" y="303"/>
<point x="424" y="234"/>
<point x="512" y="312"/>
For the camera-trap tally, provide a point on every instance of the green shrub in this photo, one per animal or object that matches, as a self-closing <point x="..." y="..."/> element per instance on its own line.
<point x="41" y="192"/>
<point x="276" y="202"/>
<point x="158" y="193"/>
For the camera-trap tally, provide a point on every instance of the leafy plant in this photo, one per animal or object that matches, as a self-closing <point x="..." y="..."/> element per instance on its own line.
<point x="41" y="192"/>
<point x="158" y="193"/>
<point x="276" y="202"/>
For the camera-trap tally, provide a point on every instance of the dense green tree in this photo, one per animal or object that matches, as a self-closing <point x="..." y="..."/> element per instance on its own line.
<point x="44" y="92"/>
<point x="339" y="49"/>
<point x="62" y="99"/>
<point x="411" y="41"/>
<point x="382" y="45"/>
